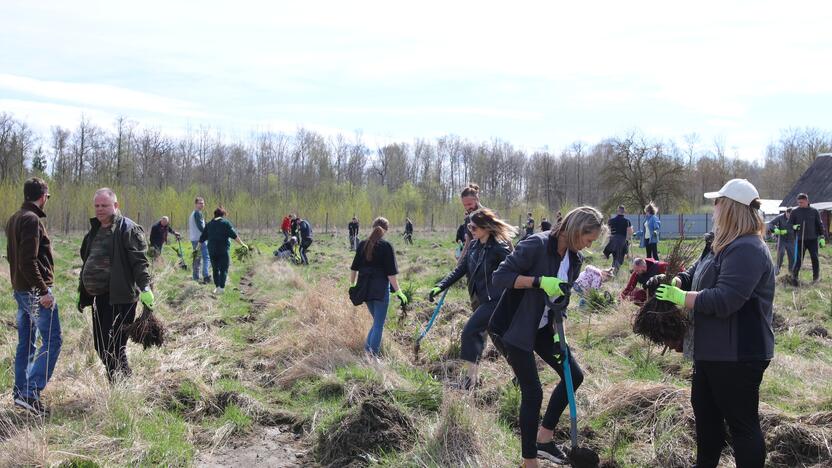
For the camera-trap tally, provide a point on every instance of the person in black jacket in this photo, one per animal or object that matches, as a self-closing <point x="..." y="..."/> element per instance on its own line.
<point x="375" y="263"/>
<point x="491" y="245"/>
<point x="730" y="291"/>
<point x="352" y="227"/>
<point x="408" y="231"/>
<point x="783" y="229"/>
<point x="522" y="324"/>
<point x="809" y="234"/>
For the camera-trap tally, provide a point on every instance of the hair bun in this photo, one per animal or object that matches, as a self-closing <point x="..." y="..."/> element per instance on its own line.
<point x="755" y="203"/>
<point x="474" y="187"/>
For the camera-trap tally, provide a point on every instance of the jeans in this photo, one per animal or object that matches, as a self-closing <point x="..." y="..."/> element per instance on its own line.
<point x="220" y="262"/>
<point x="531" y="390"/>
<point x="784" y="247"/>
<point x="802" y="246"/>
<point x="728" y="392"/>
<point x="109" y="339"/>
<point x="33" y="370"/>
<point x="378" y="310"/>
<point x="201" y="258"/>
<point x="652" y="251"/>
<point x="473" y="334"/>
<point x="304" y="246"/>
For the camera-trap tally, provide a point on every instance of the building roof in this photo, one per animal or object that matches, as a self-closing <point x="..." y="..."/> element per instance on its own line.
<point x="770" y="206"/>
<point x="815" y="182"/>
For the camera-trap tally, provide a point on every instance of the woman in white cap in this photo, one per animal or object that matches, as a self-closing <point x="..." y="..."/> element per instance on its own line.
<point x="730" y="291"/>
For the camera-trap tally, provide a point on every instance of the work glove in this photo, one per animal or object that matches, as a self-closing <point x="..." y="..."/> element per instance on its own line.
<point x="672" y="294"/>
<point x="796" y="227"/>
<point x="244" y="246"/>
<point x="434" y="292"/>
<point x="822" y="242"/>
<point x="147" y="298"/>
<point x="401" y="296"/>
<point x="551" y="285"/>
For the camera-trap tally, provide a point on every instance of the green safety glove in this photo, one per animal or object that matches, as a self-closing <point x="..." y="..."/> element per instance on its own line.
<point x="822" y="242"/>
<point x="401" y="296"/>
<point x="551" y="285"/>
<point x="147" y="298"/>
<point x="434" y="292"/>
<point x="796" y="227"/>
<point x="672" y="294"/>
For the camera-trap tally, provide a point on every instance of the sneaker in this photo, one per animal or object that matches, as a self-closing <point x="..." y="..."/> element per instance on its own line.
<point x="32" y="405"/>
<point x="551" y="452"/>
<point x="219" y="290"/>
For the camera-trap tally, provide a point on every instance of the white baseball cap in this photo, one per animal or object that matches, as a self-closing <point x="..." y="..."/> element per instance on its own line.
<point x="739" y="190"/>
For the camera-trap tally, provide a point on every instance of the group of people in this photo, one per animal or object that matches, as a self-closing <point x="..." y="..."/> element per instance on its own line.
<point x="114" y="278"/>
<point x="797" y="231"/>
<point x="729" y="293"/>
<point x="297" y="238"/>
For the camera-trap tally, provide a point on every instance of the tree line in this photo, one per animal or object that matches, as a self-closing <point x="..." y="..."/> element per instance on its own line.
<point x="330" y="178"/>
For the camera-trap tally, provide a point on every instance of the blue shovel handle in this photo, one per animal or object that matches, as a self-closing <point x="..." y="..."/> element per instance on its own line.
<point x="558" y="307"/>
<point x="433" y="317"/>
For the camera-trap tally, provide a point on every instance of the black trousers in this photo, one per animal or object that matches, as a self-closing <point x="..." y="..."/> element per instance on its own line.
<point x="472" y="342"/>
<point x="728" y="392"/>
<point x="802" y="246"/>
<point x="109" y="340"/>
<point x="304" y="246"/>
<point x="531" y="390"/>
<point x="652" y="251"/>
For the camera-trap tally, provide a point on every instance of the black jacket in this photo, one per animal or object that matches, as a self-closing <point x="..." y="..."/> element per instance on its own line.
<point x="519" y="311"/>
<point x="128" y="266"/>
<point x="480" y="262"/>
<point x="29" y="250"/>
<point x="809" y="220"/>
<point x="780" y="222"/>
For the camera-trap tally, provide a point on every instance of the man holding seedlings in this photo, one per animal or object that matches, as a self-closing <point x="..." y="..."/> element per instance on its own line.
<point x="159" y="234"/>
<point x="809" y="235"/>
<point x="114" y="277"/>
<point x="352" y="227"/>
<point x="29" y="252"/>
<point x="196" y="224"/>
<point x="643" y="270"/>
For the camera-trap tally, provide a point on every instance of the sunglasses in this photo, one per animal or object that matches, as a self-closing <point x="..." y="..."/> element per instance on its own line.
<point x="472" y="227"/>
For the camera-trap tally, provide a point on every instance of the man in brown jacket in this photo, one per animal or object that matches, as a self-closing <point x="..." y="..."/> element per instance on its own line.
<point x="29" y="253"/>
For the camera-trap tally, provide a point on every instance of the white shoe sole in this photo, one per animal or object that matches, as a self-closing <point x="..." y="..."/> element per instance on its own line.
<point x="552" y="458"/>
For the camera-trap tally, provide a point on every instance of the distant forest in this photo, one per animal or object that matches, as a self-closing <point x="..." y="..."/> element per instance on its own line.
<point x="327" y="179"/>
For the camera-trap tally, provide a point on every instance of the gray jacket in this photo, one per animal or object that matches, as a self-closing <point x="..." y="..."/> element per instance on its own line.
<point x="781" y="222"/>
<point x="518" y="313"/>
<point x="733" y="311"/>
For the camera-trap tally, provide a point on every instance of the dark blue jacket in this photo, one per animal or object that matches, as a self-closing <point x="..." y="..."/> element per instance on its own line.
<point x="517" y="315"/>
<point x="733" y="311"/>
<point x="479" y="264"/>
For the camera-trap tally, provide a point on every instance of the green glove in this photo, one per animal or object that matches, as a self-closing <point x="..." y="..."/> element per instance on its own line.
<point x="434" y="292"/>
<point x="147" y="298"/>
<point x="672" y="294"/>
<point x="401" y="296"/>
<point x="551" y="285"/>
<point x="780" y="232"/>
<point x="822" y="242"/>
<point x="796" y="227"/>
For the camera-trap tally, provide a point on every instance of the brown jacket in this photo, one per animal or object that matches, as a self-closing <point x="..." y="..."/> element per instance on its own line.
<point x="29" y="250"/>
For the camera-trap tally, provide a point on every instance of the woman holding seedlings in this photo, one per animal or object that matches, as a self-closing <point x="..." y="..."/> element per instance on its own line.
<point x="490" y="246"/>
<point x="730" y="291"/>
<point x="218" y="233"/>
<point x="650" y="231"/>
<point x="523" y="325"/>
<point x="374" y="265"/>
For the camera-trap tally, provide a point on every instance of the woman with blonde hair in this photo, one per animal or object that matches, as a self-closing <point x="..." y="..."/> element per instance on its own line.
<point x="730" y="292"/>
<point x="523" y="325"/>
<point x="374" y="265"/>
<point x="490" y="245"/>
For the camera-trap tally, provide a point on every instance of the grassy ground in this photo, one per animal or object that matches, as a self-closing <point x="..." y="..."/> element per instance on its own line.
<point x="279" y="357"/>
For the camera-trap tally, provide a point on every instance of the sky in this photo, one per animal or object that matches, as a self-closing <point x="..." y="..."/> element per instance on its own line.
<point x="540" y="75"/>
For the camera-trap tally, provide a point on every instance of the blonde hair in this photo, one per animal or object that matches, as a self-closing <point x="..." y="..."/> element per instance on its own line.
<point x="734" y="219"/>
<point x="486" y="219"/>
<point x="579" y="222"/>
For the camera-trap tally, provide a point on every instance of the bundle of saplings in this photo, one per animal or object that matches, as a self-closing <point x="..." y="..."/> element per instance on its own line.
<point x="660" y="321"/>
